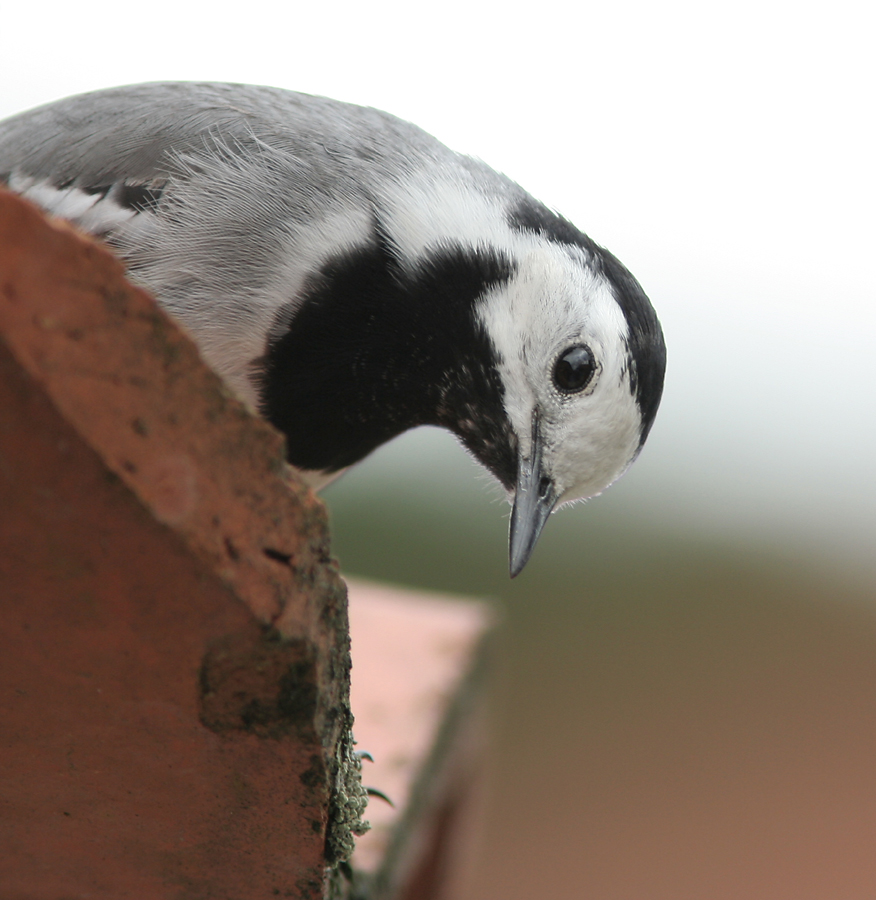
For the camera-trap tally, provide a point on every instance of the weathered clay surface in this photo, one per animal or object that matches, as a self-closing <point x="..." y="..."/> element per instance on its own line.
<point x="174" y="662"/>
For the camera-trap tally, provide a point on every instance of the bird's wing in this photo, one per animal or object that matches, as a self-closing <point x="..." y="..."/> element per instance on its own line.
<point x="123" y="134"/>
<point x="224" y="198"/>
<point x="221" y="197"/>
<point x="137" y="133"/>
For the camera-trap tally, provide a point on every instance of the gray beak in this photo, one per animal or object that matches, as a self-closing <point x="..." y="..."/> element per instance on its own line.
<point x="534" y="499"/>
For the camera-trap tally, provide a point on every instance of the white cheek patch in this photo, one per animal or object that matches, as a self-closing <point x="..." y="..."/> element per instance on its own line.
<point x="595" y="435"/>
<point x="545" y="307"/>
<point x="554" y="301"/>
<point x="594" y="444"/>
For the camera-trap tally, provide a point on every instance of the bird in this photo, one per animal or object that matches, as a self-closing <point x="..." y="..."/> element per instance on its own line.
<point x="351" y="277"/>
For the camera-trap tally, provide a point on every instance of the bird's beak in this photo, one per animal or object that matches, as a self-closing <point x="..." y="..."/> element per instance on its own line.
<point x="534" y="499"/>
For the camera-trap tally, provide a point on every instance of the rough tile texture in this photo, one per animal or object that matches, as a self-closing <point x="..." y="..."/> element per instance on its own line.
<point x="159" y="573"/>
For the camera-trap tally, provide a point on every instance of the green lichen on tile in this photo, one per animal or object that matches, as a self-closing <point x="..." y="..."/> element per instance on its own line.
<point x="349" y="799"/>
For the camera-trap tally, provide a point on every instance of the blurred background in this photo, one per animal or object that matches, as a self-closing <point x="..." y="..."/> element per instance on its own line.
<point x="684" y="700"/>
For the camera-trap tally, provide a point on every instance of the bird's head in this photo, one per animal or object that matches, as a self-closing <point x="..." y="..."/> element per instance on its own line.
<point x="581" y="358"/>
<point x="490" y="316"/>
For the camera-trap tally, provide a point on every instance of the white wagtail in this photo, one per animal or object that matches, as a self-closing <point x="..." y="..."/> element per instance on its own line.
<point x="351" y="277"/>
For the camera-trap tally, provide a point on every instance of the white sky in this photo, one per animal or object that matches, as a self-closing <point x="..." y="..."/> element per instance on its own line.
<point x="724" y="152"/>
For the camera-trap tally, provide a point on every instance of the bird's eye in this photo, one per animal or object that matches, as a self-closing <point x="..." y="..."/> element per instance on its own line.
<point x="574" y="369"/>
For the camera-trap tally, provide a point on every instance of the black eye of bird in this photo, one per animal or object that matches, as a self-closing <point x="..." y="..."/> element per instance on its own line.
<point x="574" y="369"/>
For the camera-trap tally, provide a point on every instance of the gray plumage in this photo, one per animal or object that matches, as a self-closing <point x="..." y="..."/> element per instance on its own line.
<point x="134" y="132"/>
<point x="352" y="277"/>
<point x="227" y="258"/>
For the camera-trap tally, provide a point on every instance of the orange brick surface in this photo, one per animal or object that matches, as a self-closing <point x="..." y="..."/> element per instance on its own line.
<point x="174" y="642"/>
<point x="158" y="574"/>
